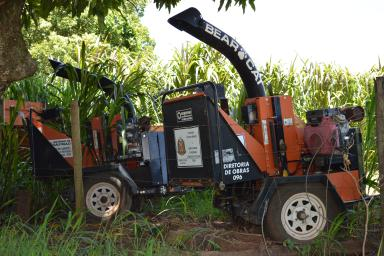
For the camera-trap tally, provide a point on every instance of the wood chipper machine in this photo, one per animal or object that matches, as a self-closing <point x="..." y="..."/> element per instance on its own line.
<point x="291" y="176"/>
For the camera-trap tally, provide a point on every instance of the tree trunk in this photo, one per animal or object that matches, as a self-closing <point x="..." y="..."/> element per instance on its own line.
<point x="77" y="157"/>
<point x="380" y="139"/>
<point x="15" y="61"/>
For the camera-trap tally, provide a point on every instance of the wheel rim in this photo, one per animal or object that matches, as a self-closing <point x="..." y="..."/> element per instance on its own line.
<point x="103" y="199"/>
<point x="303" y="216"/>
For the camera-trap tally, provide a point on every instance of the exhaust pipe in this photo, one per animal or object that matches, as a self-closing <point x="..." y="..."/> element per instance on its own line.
<point x="191" y="22"/>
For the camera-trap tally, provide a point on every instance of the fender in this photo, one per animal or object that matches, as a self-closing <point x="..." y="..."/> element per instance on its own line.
<point x="115" y="169"/>
<point x="256" y="210"/>
<point x="128" y="179"/>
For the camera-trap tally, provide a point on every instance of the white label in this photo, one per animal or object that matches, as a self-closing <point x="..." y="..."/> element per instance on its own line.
<point x="188" y="147"/>
<point x="242" y="139"/>
<point x="265" y="131"/>
<point x="236" y="170"/>
<point x="228" y="155"/>
<point x="63" y="146"/>
<point x="184" y="115"/>
<point x="95" y="140"/>
<point x="145" y="146"/>
<point x="288" y="121"/>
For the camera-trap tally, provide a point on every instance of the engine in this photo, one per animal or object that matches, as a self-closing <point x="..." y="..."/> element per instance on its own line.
<point x="326" y="131"/>
<point x="328" y="136"/>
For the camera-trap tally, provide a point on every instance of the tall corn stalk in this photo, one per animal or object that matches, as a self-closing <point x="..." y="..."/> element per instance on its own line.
<point x="14" y="171"/>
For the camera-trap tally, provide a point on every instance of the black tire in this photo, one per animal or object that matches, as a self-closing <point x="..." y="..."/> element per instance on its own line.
<point x="105" y="197"/>
<point x="296" y="214"/>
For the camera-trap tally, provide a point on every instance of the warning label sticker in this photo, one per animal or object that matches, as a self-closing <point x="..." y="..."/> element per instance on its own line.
<point x="184" y="115"/>
<point x="265" y="131"/>
<point x="227" y="154"/>
<point x="188" y="147"/>
<point x="63" y="146"/>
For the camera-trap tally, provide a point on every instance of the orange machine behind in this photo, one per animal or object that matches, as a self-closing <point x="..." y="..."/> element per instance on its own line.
<point x="91" y="156"/>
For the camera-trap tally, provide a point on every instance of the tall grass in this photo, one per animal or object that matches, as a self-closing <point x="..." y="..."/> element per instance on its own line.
<point x="199" y="63"/>
<point x="128" y="234"/>
<point x="195" y="205"/>
<point x="70" y="236"/>
<point x="13" y="161"/>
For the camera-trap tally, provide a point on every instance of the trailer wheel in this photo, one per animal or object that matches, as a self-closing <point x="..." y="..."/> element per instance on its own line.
<point x="300" y="215"/>
<point x="105" y="196"/>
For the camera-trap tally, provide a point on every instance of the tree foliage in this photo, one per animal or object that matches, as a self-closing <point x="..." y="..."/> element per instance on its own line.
<point x="120" y="26"/>
<point x="42" y="8"/>
<point x="169" y="4"/>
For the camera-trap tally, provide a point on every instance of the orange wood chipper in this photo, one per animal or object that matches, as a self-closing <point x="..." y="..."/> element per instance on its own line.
<point x="291" y="176"/>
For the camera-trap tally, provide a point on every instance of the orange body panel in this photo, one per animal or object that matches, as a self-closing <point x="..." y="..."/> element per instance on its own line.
<point x="114" y="135"/>
<point x="260" y="131"/>
<point x="292" y="133"/>
<point x="186" y="97"/>
<point x="192" y="183"/>
<point x="98" y="137"/>
<point x="7" y="105"/>
<point x="292" y="140"/>
<point x="347" y="184"/>
<point x="157" y="128"/>
<point x="88" y="159"/>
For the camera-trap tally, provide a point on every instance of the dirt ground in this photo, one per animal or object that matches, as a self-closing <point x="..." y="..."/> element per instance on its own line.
<point x="226" y="238"/>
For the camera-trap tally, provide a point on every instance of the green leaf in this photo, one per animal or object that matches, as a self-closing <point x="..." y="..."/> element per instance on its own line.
<point x="46" y="6"/>
<point x="229" y="2"/>
<point x="221" y="4"/>
<point x="252" y="4"/>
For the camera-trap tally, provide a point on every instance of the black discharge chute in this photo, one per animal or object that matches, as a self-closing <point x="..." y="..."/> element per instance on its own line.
<point x="191" y="22"/>
<point x="64" y="70"/>
<point x="106" y="84"/>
